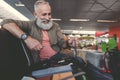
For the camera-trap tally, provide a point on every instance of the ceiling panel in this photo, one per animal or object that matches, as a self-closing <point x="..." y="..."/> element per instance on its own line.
<point x="83" y="9"/>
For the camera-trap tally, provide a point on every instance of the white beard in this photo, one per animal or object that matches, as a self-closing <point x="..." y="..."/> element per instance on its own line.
<point x="40" y="23"/>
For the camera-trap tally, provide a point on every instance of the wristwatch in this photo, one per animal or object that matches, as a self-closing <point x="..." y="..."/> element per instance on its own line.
<point x="24" y="36"/>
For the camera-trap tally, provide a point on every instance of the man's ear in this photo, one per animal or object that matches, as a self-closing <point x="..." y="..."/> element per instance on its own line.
<point x="35" y="14"/>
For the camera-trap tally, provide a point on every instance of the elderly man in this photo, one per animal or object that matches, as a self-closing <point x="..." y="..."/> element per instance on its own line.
<point x="42" y="36"/>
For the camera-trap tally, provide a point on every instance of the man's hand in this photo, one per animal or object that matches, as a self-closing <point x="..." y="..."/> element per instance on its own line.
<point x="33" y="44"/>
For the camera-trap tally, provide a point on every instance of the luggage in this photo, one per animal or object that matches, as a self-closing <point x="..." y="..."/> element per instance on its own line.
<point x="77" y="67"/>
<point x="94" y="73"/>
<point x="111" y="63"/>
<point x="76" y="63"/>
<point x="77" y="73"/>
<point x="61" y="76"/>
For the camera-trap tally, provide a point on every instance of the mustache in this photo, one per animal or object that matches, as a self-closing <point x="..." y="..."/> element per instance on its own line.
<point x="45" y="21"/>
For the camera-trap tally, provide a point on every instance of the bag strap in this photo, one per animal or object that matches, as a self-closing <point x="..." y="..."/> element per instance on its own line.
<point x="26" y="54"/>
<point x="75" y="48"/>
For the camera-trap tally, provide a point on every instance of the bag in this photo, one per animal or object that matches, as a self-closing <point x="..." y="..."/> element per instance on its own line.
<point x="114" y="64"/>
<point x="95" y="73"/>
<point x="111" y="63"/>
<point x="77" y="67"/>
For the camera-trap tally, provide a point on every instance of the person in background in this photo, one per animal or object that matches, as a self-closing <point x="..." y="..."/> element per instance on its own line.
<point x="104" y="46"/>
<point x="112" y="43"/>
<point x="42" y="36"/>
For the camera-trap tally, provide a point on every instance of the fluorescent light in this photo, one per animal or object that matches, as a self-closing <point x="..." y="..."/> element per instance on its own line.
<point x="75" y="31"/>
<point x="14" y="14"/>
<point x="106" y="20"/>
<point x="79" y="20"/>
<point x="19" y="4"/>
<point x="78" y="32"/>
<point x="55" y="19"/>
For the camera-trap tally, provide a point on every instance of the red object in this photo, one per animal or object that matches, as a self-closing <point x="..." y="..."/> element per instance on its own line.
<point x="99" y="33"/>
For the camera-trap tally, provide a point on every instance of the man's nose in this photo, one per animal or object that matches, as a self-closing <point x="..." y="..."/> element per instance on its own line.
<point x="48" y="17"/>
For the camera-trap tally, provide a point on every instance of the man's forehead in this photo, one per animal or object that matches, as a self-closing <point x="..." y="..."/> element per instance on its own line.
<point x="44" y="7"/>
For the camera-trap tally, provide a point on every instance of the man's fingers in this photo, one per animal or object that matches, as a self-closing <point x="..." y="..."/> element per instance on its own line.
<point x="37" y="48"/>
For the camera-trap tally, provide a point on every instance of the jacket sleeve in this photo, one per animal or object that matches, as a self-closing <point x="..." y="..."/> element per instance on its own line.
<point x="61" y="41"/>
<point x="5" y="21"/>
<point x="24" y="25"/>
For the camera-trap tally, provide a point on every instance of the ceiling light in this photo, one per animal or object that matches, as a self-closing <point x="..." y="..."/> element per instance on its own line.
<point x="55" y="19"/>
<point x="106" y="20"/>
<point x="75" y="31"/>
<point x="19" y="4"/>
<point x="81" y="28"/>
<point x="79" y="20"/>
<point x="78" y="32"/>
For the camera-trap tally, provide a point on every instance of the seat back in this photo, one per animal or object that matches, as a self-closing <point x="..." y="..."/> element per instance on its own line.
<point x="13" y="62"/>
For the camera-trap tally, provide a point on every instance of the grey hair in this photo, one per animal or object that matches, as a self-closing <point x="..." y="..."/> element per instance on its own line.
<point x="39" y="2"/>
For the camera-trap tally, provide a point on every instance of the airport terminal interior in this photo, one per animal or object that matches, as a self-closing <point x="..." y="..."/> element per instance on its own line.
<point x="94" y="24"/>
